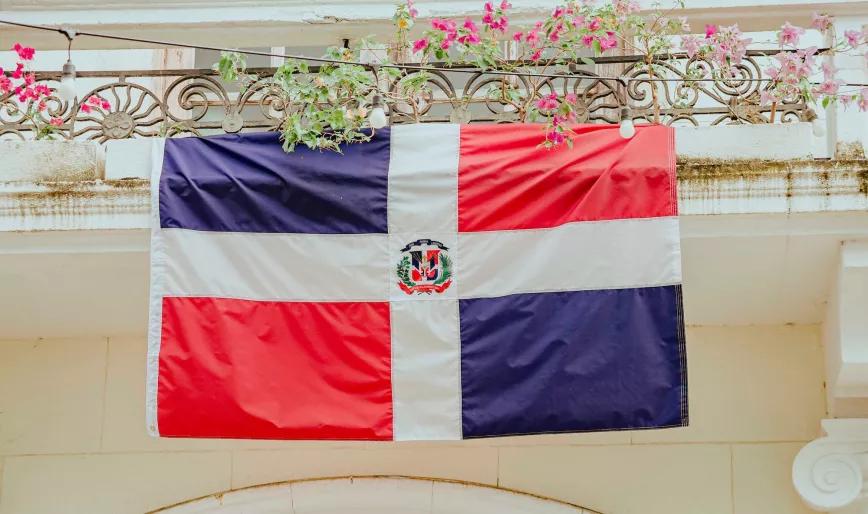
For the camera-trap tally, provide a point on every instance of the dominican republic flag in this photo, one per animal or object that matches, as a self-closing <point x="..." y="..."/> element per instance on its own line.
<point x="438" y="282"/>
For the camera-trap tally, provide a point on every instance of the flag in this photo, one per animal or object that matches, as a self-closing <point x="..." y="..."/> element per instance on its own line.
<point x="440" y="281"/>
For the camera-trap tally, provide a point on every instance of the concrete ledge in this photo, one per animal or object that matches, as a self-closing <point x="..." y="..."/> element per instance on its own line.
<point x="131" y="158"/>
<point x="785" y="141"/>
<point x="51" y="161"/>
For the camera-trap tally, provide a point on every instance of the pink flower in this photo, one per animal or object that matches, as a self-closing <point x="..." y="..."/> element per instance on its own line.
<point x="25" y="53"/>
<point x="420" y="44"/>
<point x="710" y="30"/>
<point x="55" y="122"/>
<point x="595" y="24"/>
<point x="86" y="108"/>
<point x="105" y="105"/>
<point x="852" y="37"/>
<point x="41" y="106"/>
<point x="571" y="98"/>
<point x="690" y="44"/>
<point x="94" y="100"/>
<point x="608" y="42"/>
<point x="536" y="55"/>
<point x="517" y="37"/>
<point x="469" y="25"/>
<point x="488" y="7"/>
<point x="829" y="70"/>
<point x="29" y="79"/>
<point x="504" y="5"/>
<point x="532" y="37"/>
<point x="828" y="87"/>
<point x="488" y="19"/>
<point x="554" y="36"/>
<point x="469" y="39"/>
<point x="821" y="22"/>
<point x="588" y="40"/>
<point x="5" y="84"/>
<point x="42" y="89"/>
<point x="19" y="71"/>
<point x="412" y="10"/>
<point x="624" y="8"/>
<point x="441" y="25"/>
<point x="789" y="34"/>
<point x="863" y="99"/>
<point x="558" y="12"/>
<point x="445" y="44"/>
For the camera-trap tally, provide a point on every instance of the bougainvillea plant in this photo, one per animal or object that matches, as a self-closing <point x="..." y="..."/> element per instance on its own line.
<point x="35" y="103"/>
<point x="331" y="103"/>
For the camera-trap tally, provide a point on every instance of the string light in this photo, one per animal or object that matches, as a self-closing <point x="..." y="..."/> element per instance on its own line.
<point x="627" y="129"/>
<point x="377" y="116"/>
<point x="408" y="67"/>
<point x="66" y="91"/>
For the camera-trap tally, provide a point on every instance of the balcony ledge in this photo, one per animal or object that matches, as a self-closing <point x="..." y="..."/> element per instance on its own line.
<point x="750" y="169"/>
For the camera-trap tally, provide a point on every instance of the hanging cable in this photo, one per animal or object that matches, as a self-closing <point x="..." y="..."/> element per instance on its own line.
<point x="409" y="67"/>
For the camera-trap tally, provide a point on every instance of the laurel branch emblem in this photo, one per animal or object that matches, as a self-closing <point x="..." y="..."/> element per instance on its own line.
<point x="424" y="267"/>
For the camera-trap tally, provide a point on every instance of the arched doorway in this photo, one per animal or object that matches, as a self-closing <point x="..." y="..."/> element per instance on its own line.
<point x="374" y="495"/>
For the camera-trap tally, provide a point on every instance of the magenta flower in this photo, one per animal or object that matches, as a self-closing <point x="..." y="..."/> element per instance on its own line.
<point x="608" y="42"/>
<point x="517" y="37"/>
<point x="25" y="53"/>
<point x="821" y="22"/>
<point x="571" y="98"/>
<point x="595" y="24"/>
<point x="558" y="12"/>
<point x="55" y="122"/>
<point x="710" y="30"/>
<point x="445" y="44"/>
<point x="469" y="25"/>
<point x="420" y="44"/>
<point x="789" y="34"/>
<point x="555" y="137"/>
<point x="488" y="7"/>
<point x="536" y="55"/>
<point x="588" y="40"/>
<point x="852" y="37"/>
<point x="504" y="5"/>
<point x="532" y="37"/>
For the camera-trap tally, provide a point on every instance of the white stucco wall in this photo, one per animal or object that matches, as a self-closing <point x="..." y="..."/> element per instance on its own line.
<point x="73" y="440"/>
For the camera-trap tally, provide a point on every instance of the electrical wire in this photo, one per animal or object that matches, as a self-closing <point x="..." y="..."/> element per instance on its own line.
<point x="624" y="80"/>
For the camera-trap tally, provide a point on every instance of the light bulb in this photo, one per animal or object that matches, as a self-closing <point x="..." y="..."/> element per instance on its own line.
<point x="627" y="129"/>
<point x="66" y="90"/>
<point x="818" y="127"/>
<point x="377" y="117"/>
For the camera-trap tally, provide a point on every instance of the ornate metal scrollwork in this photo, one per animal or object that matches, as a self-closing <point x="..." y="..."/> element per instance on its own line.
<point x="177" y="102"/>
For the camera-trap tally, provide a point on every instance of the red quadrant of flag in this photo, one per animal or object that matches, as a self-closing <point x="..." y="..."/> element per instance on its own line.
<point x="506" y="181"/>
<point x="288" y="370"/>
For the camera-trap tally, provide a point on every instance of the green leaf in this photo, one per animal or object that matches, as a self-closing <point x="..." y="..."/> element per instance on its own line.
<point x="588" y="61"/>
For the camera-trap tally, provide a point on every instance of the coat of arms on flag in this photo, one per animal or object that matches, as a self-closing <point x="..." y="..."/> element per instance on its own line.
<point x="437" y="282"/>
